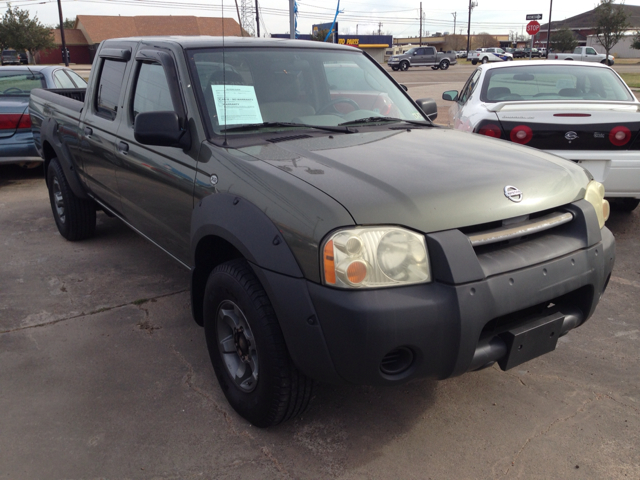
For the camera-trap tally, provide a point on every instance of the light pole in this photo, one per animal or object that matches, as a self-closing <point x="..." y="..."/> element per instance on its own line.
<point x="472" y="4"/>
<point x="65" y="56"/>
<point x="549" y="27"/>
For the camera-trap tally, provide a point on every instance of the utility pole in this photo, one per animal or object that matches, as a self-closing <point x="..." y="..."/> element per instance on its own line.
<point x="549" y="27"/>
<point x="454" y="22"/>
<point x="64" y="43"/>
<point x="292" y="19"/>
<point x="239" y="20"/>
<point x="471" y="5"/>
<point x="257" y="20"/>
<point x="420" y="23"/>
<point x="379" y="28"/>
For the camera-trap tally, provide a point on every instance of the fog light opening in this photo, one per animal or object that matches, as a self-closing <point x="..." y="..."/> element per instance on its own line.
<point x="397" y="361"/>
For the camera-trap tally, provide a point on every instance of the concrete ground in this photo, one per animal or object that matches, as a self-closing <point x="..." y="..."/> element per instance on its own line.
<point x="103" y="374"/>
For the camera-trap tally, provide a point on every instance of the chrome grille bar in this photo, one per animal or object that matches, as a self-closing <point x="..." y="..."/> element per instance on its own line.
<point x="520" y="230"/>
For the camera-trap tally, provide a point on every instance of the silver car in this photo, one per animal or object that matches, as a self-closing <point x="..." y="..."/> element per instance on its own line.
<point x="580" y="111"/>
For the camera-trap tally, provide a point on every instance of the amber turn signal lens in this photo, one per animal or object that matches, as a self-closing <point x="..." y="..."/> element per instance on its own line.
<point x="329" y="263"/>
<point x="356" y="272"/>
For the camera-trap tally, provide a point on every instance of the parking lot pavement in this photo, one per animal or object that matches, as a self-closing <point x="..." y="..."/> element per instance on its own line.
<point x="103" y="374"/>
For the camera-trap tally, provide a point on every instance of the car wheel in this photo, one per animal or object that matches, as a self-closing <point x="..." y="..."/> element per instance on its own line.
<point x="75" y="217"/>
<point x="485" y="60"/>
<point x="435" y="67"/>
<point x="509" y="59"/>
<point x="404" y="65"/>
<point x="627" y="205"/>
<point x="474" y="62"/>
<point x="395" y="69"/>
<point x="444" y="64"/>
<point x="247" y="348"/>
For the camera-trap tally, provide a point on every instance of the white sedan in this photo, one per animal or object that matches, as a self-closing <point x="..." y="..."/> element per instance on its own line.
<point x="580" y="111"/>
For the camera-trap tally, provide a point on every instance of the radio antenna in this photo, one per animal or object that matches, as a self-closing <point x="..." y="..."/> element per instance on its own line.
<point x="224" y="79"/>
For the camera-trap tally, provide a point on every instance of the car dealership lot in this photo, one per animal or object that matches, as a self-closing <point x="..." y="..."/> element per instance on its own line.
<point x="103" y="373"/>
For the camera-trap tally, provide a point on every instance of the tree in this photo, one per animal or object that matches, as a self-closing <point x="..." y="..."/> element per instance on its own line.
<point x="635" y="41"/>
<point x="484" y="40"/>
<point x="611" y="23"/>
<point x="455" y="42"/>
<point x="19" y="31"/>
<point x="68" y="23"/>
<point x="319" y="35"/>
<point x="563" y="40"/>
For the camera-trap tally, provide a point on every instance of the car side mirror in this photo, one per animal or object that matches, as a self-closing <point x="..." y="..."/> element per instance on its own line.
<point x="161" y="129"/>
<point x="404" y="87"/>
<point x="450" y="95"/>
<point x="429" y="107"/>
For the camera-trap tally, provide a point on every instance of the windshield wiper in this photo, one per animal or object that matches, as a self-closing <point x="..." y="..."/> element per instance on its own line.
<point x="384" y="119"/>
<point x="258" y="126"/>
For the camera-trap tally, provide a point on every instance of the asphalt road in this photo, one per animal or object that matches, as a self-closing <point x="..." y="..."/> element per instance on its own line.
<point x="103" y="374"/>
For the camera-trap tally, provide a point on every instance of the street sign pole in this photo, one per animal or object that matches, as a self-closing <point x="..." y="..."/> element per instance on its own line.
<point x="549" y="27"/>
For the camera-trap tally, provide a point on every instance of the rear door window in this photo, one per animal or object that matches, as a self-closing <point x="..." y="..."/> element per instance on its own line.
<point x="61" y="80"/>
<point x="109" y="88"/>
<point x="77" y="79"/>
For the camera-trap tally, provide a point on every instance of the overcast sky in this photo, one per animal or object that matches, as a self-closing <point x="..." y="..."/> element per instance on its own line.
<point x="398" y="17"/>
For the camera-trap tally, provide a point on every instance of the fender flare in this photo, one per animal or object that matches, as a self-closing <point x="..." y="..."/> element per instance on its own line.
<point x="49" y="135"/>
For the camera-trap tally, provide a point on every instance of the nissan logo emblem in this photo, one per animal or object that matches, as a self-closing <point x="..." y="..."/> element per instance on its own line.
<point x="513" y="193"/>
<point x="571" y="136"/>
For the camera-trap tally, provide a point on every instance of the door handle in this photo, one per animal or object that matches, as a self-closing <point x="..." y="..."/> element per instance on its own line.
<point x="88" y="131"/>
<point x="123" y="147"/>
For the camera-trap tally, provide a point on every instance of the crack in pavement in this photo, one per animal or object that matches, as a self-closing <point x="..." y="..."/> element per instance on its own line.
<point x="83" y="314"/>
<point x="244" y="435"/>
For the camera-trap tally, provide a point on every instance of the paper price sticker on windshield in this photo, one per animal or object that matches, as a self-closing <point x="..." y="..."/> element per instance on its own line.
<point x="236" y="104"/>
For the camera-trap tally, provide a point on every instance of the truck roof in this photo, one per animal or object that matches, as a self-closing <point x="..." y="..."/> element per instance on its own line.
<point x="203" y="41"/>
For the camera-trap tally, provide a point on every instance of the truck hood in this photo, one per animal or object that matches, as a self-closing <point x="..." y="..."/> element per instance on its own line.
<point x="427" y="179"/>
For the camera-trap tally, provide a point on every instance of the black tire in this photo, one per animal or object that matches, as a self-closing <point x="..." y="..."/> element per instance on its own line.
<point x="395" y="69"/>
<point x="474" y="62"/>
<point x="404" y="66"/>
<point x="509" y="59"/>
<point x="435" y="67"/>
<point x="75" y="217"/>
<point x="444" y="64"/>
<point x="234" y="296"/>
<point x="485" y="60"/>
<point x="626" y="205"/>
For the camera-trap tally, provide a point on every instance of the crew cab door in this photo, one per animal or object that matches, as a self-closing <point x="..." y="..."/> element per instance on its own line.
<point x="98" y="126"/>
<point x="430" y="56"/>
<point x="156" y="182"/>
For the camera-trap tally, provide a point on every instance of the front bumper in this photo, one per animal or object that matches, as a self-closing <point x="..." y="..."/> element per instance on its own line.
<point x="449" y="326"/>
<point x="618" y="171"/>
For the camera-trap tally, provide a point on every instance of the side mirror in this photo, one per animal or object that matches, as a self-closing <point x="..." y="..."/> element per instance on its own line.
<point x="404" y="87"/>
<point x="450" y="95"/>
<point x="429" y="107"/>
<point x="161" y="129"/>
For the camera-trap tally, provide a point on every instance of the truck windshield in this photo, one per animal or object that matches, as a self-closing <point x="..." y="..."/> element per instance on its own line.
<point x="553" y="82"/>
<point x="280" y="88"/>
<point x="13" y="82"/>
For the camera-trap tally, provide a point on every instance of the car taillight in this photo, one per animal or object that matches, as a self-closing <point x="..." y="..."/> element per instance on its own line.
<point x="619" y="136"/>
<point x="9" y="121"/>
<point x="521" y="134"/>
<point x="25" y="121"/>
<point x="490" y="130"/>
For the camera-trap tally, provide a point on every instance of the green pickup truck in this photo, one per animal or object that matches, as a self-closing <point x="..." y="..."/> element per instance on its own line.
<point x="332" y="232"/>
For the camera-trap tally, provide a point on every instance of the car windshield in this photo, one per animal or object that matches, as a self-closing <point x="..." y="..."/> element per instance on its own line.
<point x="283" y="88"/>
<point x="14" y="82"/>
<point x="553" y="82"/>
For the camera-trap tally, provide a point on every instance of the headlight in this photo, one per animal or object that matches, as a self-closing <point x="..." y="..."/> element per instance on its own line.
<point x="595" y="196"/>
<point x="371" y="257"/>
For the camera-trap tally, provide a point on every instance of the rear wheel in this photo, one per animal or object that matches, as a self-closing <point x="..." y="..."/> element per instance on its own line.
<point x="485" y="60"/>
<point x="444" y="64"/>
<point x="75" y="217"/>
<point x="474" y="62"/>
<point x="247" y="348"/>
<point x="435" y="67"/>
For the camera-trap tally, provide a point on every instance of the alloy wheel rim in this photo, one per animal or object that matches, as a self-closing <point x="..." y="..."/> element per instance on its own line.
<point x="58" y="200"/>
<point x="237" y="347"/>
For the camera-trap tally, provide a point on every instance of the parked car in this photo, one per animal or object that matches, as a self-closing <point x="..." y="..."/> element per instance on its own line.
<point x="492" y="54"/>
<point x="422" y="57"/>
<point x="323" y="242"/>
<point x="531" y="52"/>
<point x="543" y="52"/>
<point x="10" y="57"/>
<point x="462" y="54"/>
<point x="24" y="58"/>
<point x="518" y="53"/>
<point x="16" y="83"/>
<point x="579" y="111"/>
<point x="584" y="54"/>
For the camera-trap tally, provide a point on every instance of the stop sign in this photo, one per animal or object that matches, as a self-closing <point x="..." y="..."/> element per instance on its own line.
<point x="533" y="27"/>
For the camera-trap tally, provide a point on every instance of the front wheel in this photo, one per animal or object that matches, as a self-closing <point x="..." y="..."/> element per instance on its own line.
<point x="75" y="217"/>
<point x="444" y="64"/>
<point x="247" y="348"/>
<point x="404" y="66"/>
